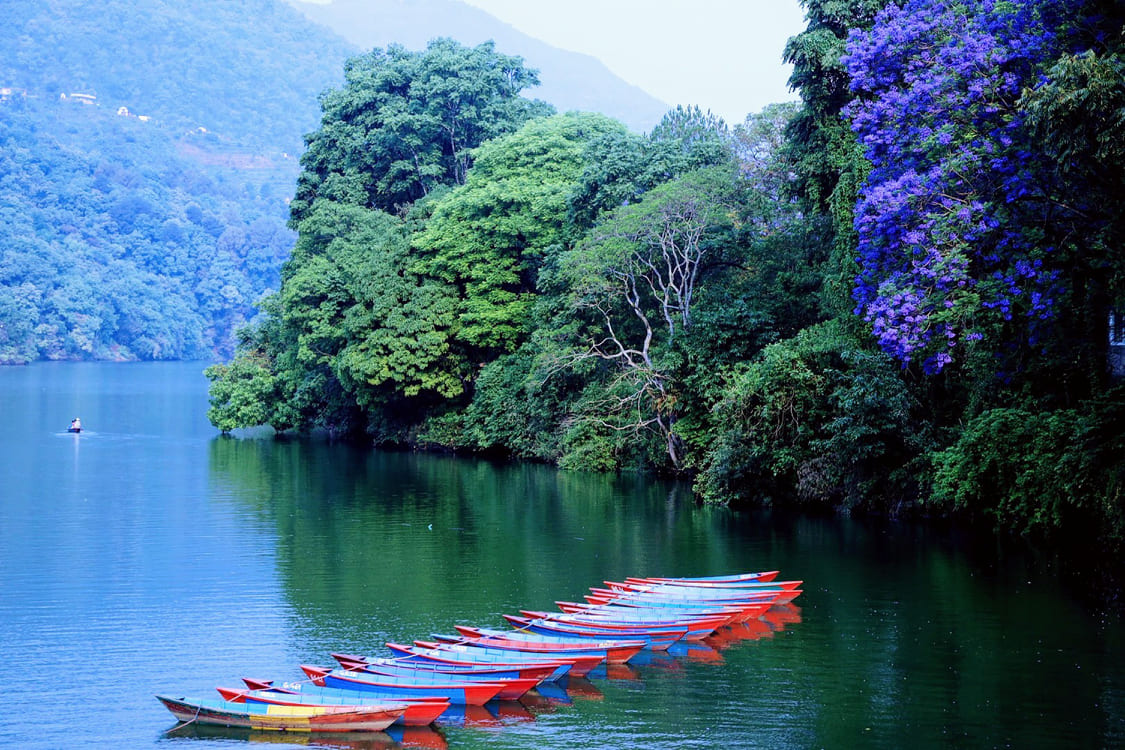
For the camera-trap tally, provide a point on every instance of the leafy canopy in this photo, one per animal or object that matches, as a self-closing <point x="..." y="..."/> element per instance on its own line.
<point x="406" y="122"/>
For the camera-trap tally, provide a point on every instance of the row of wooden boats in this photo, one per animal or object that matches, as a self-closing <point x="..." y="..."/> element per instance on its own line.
<point x="420" y="682"/>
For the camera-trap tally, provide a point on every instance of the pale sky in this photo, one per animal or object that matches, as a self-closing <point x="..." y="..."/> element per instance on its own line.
<point x="723" y="55"/>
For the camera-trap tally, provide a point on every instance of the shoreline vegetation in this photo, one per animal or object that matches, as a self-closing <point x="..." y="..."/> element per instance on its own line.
<point x="903" y="295"/>
<point x="895" y="297"/>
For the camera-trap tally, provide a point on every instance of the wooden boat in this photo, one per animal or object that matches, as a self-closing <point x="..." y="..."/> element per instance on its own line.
<point x="656" y="639"/>
<point x="535" y="672"/>
<point x="417" y="712"/>
<point x="747" y="609"/>
<point x="695" y="628"/>
<point x="460" y="654"/>
<point x="712" y="584"/>
<point x="512" y="687"/>
<point x="701" y="593"/>
<point x="685" y="616"/>
<point x="709" y="586"/>
<point x="694" y="596"/>
<point x="613" y="651"/>
<point x="716" y="616"/>
<point x="764" y="576"/>
<point x="282" y="718"/>
<point x="783" y="591"/>
<point x="457" y="692"/>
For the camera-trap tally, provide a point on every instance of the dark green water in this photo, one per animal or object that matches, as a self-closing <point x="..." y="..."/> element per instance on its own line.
<point x="150" y="555"/>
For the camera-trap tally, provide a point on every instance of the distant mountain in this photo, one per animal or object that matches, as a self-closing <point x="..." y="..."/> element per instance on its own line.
<point x="569" y="80"/>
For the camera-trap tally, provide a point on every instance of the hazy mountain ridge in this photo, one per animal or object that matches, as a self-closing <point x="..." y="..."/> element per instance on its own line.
<point x="568" y="80"/>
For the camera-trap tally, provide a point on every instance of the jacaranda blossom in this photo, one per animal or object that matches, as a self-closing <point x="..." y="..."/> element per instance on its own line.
<point x="949" y="219"/>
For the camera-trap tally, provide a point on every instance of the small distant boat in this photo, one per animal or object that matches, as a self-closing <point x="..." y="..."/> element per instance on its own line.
<point x="300" y="718"/>
<point x="74" y="429"/>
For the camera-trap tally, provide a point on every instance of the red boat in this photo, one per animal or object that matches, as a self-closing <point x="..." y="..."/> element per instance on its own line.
<point x="789" y="590"/>
<point x="749" y="608"/>
<point x="612" y="651"/>
<point x="656" y="639"/>
<point x="282" y="718"/>
<point x="612" y="610"/>
<point x="574" y="665"/>
<point x="389" y="687"/>
<point x="697" y="627"/>
<point x="528" y="671"/>
<point x="513" y="686"/>
<point x="764" y="577"/>
<point x="417" y="712"/>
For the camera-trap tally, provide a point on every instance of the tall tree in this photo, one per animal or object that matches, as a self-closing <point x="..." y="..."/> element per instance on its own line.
<point x="635" y="280"/>
<point x="489" y="237"/>
<point x="406" y="123"/>
<point x="827" y="162"/>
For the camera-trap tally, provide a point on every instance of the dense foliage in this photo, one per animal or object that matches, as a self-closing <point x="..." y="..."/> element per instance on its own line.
<point x="894" y="297"/>
<point x="133" y="251"/>
<point x="405" y="123"/>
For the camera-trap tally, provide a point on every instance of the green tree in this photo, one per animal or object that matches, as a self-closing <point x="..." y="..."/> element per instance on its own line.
<point x="243" y="393"/>
<point x="622" y="166"/>
<point x="828" y="162"/>
<point x="489" y="237"/>
<point x="634" y="279"/>
<point x="406" y="122"/>
<point x="822" y="417"/>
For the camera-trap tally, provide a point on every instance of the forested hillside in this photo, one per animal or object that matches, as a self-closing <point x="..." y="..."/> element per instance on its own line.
<point x="147" y="154"/>
<point x="895" y="297"/>
<point x="249" y="70"/>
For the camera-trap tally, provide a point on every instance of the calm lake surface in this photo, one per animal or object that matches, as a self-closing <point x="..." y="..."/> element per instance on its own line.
<point x="151" y="555"/>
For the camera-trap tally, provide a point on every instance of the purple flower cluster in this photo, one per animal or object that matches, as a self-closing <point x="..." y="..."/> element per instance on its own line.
<point x="947" y="217"/>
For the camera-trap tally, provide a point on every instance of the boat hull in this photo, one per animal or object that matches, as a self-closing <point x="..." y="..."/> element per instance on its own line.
<point x="281" y="718"/>
<point x="466" y="694"/>
<point x="656" y="639"/>
<point x="612" y="651"/>
<point x="417" y="712"/>
<point x="484" y="672"/>
<point x="573" y="665"/>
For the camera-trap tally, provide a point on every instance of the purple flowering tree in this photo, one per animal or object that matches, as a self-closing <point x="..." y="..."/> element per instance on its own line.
<point x="954" y="220"/>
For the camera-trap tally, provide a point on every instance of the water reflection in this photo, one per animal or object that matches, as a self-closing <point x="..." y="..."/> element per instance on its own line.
<point x="374" y="546"/>
<point x="152" y="536"/>
<point x="382" y="546"/>
<point x="351" y="741"/>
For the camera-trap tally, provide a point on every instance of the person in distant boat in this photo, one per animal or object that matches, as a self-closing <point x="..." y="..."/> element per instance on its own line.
<point x="75" y="424"/>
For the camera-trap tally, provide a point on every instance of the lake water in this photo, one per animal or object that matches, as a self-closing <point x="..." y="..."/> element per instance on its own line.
<point x="152" y="555"/>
